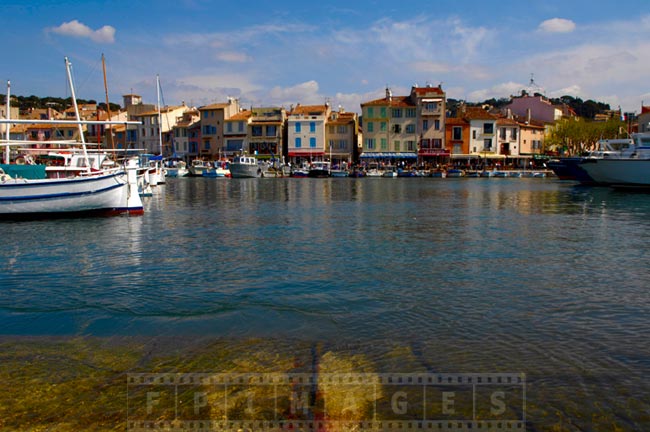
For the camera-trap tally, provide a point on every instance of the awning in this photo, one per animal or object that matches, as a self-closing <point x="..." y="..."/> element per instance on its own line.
<point x="388" y="155"/>
<point x="306" y="153"/>
<point x="478" y="155"/>
<point x="432" y="100"/>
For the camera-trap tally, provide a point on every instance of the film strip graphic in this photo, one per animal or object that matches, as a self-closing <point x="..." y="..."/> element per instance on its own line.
<point x="404" y="402"/>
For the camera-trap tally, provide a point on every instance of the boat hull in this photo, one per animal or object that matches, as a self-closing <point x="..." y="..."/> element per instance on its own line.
<point x="238" y="170"/>
<point x="109" y="193"/>
<point x="619" y="172"/>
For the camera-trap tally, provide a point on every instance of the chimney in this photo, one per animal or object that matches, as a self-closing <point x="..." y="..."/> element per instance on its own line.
<point x="528" y="115"/>
<point x="389" y="95"/>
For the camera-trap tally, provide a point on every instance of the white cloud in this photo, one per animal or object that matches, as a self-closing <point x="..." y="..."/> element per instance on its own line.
<point x="74" y="28"/>
<point x="305" y="93"/>
<point x="233" y="57"/>
<point x="502" y="90"/>
<point x="557" y="25"/>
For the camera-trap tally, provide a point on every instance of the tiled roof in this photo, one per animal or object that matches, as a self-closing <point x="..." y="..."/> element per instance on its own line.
<point x="456" y="121"/>
<point x="420" y="91"/>
<point x="309" y="109"/>
<point x="242" y="115"/>
<point x="213" y="106"/>
<point x="504" y="121"/>
<point x="477" y="113"/>
<point x="396" y="101"/>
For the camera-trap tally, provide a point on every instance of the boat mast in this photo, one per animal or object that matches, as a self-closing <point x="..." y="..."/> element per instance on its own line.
<point x="76" y="112"/>
<point x="159" y="116"/>
<point x="7" y="115"/>
<point x="108" y="108"/>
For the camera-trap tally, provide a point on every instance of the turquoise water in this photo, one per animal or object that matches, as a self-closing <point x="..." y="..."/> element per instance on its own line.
<point x="473" y="275"/>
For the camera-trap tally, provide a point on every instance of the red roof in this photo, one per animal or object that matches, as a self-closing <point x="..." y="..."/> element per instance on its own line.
<point x="645" y="109"/>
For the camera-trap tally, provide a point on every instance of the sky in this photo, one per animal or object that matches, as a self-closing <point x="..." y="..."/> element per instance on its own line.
<point x="283" y="53"/>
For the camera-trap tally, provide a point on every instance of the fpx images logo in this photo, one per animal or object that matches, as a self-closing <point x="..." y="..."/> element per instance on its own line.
<point x="325" y="402"/>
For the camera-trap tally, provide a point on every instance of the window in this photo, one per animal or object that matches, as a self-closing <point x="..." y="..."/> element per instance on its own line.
<point x="229" y="127"/>
<point x="371" y="127"/>
<point x="502" y="133"/>
<point x="271" y="130"/>
<point x="342" y="129"/>
<point x="488" y="128"/>
<point x="256" y="131"/>
<point x="431" y="106"/>
<point x="437" y="143"/>
<point x="332" y="129"/>
<point x="457" y="133"/>
<point x="425" y="124"/>
<point x="410" y="112"/>
<point x="343" y="144"/>
<point x="298" y="142"/>
<point x="206" y="145"/>
<point x="397" y="128"/>
<point x="396" y="146"/>
<point x="297" y="127"/>
<point x="332" y="144"/>
<point x="410" y="128"/>
<point x="384" y="144"/>
<point x="382" y="111"/>
<point x="410" y="145"/>
<point x="474" y="134"/>
<point x="370" y="143"/>
<point x="382" y="126"/>
<point x="371" y="112"/>
<point x="436" y="124"/>
<point x="514" y="133"/>
<point x="487" y="144"/>
<point x="312" y="142"/>
<point x="397" y="112"/>
<point x="312" y="127"/>
<point x="241" y="126"/>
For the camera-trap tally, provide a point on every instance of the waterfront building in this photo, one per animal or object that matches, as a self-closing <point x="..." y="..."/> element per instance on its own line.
<point x="644" y="119"/>
<point x="213" y="117"/>
<point x="180" y="134"/>
<point x="151" y="129"/>
<point x="403" y="128"/>
<point x="431" y="111"/>
<point x="457" y="136"/>
<point x="537" y="107"/>
<point x="266" y="132"/>
<point x="306" y="132"/>
<point x="341" y="136"/>
<point x="390" y="129"/>
<point x="508" y="136"/>
<point x="531" y="137"/>
<point x="235" y="132"/>
<point x="482" y="132"/>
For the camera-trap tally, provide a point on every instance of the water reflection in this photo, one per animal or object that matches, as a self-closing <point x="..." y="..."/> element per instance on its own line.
<point x="527" y="275"/>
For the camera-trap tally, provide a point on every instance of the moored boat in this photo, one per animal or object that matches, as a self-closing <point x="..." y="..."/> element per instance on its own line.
<point x="108" y="191"/>
<point x="245" y="167"/>
<point x="319" y="169"/>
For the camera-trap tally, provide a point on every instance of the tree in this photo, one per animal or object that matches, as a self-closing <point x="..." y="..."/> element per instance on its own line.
<point x="577" y="136"/>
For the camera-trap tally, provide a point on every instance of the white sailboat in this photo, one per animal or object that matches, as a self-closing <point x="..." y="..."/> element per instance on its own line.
<point x="108" y="191"/>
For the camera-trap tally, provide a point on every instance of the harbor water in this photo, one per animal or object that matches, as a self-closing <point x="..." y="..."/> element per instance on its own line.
<point x="531" y="276"/>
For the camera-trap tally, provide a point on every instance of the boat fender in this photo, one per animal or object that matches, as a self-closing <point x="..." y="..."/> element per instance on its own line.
<point x="4" y="176"/>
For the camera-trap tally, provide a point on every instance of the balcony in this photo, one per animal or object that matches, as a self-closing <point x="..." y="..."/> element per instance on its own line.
<point x="430" y="111"/>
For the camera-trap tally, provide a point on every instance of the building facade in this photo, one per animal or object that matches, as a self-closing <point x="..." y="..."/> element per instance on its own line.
<point x="213" y="116"/>
<point x="266" y="132"/>
<point x="306" y="132"/>
<point x="341" y="137"/>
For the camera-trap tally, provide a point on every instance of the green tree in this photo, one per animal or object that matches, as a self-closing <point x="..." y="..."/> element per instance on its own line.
<point x="577" y="136"/>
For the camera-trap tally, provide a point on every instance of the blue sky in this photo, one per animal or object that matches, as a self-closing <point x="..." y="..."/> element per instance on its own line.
<point x="343" y="52"/>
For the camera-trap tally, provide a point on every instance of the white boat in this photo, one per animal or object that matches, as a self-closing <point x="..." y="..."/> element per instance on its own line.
<point x="220" y="170"/>
<point x="245" y="167"/>
<point x="197" y="168"/>
<point x="628" y="172"/>
<point x="389" y="174"/>
<point x="319" y="169"/>
<point x="630" y="167"/>
<point x="177" y="170"/>
<point x="109" y="191"/>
